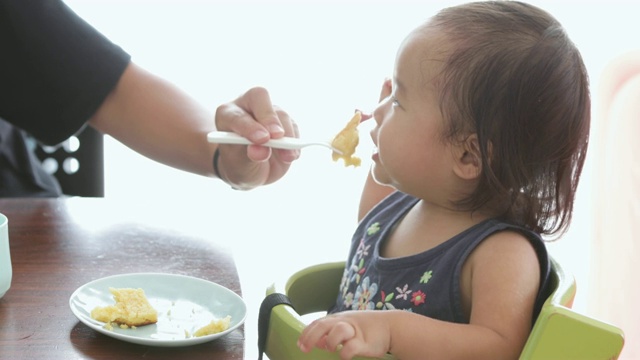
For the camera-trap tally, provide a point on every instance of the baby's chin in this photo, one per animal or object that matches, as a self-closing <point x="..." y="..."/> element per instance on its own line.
<point x="379" y="179"/>
<point x="378" y="173"/>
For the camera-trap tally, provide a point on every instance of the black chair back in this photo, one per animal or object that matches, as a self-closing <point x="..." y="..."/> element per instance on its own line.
<point x="77" y="164"/>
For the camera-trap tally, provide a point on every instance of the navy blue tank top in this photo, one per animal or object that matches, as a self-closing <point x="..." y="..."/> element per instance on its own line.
<point x="427" y="283"/>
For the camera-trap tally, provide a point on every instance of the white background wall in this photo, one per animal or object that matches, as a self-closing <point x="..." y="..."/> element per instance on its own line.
<point x="320" y="60"/>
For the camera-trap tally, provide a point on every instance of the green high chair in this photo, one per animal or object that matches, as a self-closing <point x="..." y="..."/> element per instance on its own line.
<point x="558" y="333"/>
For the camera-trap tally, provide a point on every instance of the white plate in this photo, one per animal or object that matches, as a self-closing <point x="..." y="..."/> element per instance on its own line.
<point x="184" y="304"/>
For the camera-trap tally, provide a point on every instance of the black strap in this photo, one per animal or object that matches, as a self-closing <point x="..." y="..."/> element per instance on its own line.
<point x="269" y="302"/>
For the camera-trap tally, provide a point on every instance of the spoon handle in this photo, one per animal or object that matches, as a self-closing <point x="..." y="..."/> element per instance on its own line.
<point x="289" y="143"/>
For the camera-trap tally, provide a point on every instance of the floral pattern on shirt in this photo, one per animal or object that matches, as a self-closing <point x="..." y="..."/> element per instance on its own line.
<point x="385" y="302"/>
<point x="373" y="228"/>
<point x="364" y="295"/>
<point x="426" y="277"/>
<point x="418" y="298"/>
<point x="361" y="292"/>
<point x="404" y="292"/>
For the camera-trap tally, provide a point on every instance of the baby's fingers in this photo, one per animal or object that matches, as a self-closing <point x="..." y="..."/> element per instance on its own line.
<point x="325" y="334"/>
<point x="339" y="334"/>
<point x="312" y="336"/>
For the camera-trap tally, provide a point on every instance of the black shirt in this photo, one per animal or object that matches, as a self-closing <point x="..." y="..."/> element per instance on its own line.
<point x="55" y="71"/>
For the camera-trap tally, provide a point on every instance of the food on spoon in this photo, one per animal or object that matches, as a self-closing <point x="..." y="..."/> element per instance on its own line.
<point x="130" y="310"/>
<point x="214" y="327"/>
<point x="347" y="140"/>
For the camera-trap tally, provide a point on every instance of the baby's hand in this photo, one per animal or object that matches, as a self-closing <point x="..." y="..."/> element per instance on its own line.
<point x="351" y="333"/>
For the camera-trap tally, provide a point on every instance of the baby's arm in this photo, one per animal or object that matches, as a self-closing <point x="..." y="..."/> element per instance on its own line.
<point x="503" y="276"/>
<point x="404" y="334"/>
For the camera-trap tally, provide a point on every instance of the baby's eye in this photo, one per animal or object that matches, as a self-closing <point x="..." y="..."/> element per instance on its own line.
<point x="394" y="101"/>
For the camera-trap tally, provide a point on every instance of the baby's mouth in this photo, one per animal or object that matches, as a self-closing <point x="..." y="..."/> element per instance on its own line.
<point x="375" y="154"/>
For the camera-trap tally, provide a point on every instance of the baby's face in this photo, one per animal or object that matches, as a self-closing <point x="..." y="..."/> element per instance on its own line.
<point x="411" y="153"/>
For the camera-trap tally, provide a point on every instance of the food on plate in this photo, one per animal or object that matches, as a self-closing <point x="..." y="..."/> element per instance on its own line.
<point x="214" y="327"/>
<point x="347" y="140"/>
<point x="130" y="310"/>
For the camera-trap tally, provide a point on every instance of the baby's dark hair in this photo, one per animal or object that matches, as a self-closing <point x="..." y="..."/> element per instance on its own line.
<point x="514" y="78"/>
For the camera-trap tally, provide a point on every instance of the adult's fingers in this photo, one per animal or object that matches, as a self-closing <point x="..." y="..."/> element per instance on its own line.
<point x="257" y="103"/>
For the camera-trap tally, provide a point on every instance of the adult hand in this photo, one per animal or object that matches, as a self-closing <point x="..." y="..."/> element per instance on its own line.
<point x="253" y="116"/>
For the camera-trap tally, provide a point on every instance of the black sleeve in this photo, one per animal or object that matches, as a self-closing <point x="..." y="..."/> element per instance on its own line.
<point x="55" y="69"/>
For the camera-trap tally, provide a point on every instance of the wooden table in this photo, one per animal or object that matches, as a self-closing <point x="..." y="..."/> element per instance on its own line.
<point x="57" y="245"/>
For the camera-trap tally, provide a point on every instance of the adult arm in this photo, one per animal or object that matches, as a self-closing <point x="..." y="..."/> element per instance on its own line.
<point x="59" y="72"/>
<point x="157" y="119"/>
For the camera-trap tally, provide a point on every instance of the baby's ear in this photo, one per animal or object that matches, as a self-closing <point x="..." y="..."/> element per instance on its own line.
<point x="468" y="165"/>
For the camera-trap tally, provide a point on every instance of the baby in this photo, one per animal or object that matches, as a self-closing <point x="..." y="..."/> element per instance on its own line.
<point x="481" y="137"/>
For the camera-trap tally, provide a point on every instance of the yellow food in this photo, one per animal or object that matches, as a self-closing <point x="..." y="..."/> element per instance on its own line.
<point x="347" y="140"/>
<point x="131" y="309"/>
<point x="214" y="327"/>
